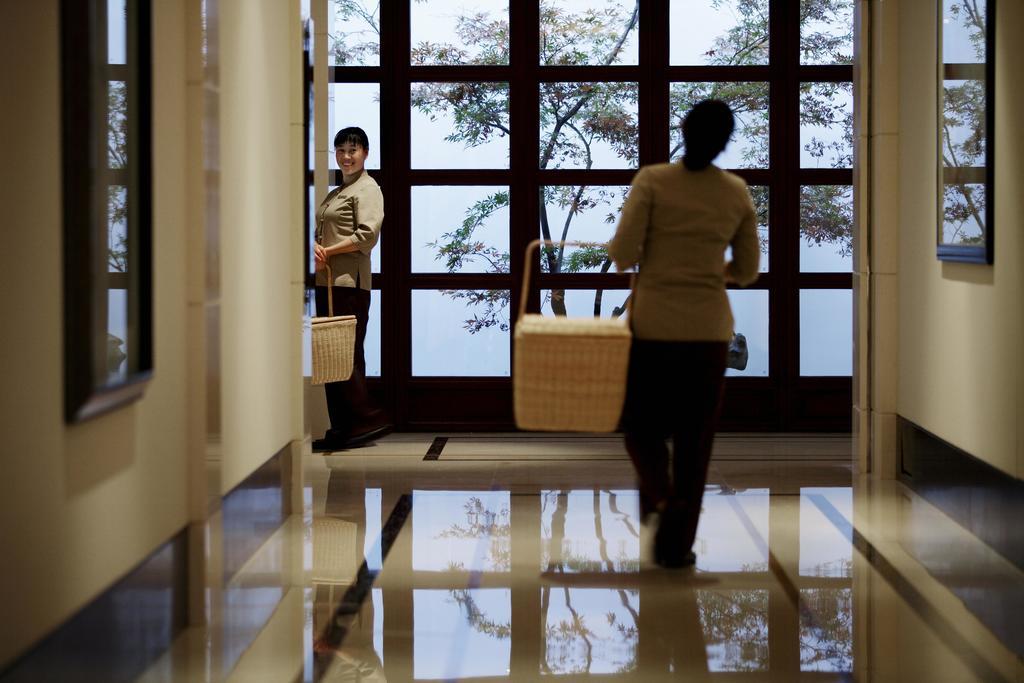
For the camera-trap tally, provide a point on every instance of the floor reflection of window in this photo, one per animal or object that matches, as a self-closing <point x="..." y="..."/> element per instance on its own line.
<point x="735" y="624"/>
<point x="732" y="535"/>
<point x="461" y="531"/>
<point x="461" y="633"/>
<point x="825" y="546"/>
<point x="826" y="629"/>
<point x="372" y="542"/>
<point x="590" y="631"/>
<point x="590" y="531"/>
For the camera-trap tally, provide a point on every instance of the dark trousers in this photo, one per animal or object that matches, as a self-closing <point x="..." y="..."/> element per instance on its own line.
<point x="348" y="403"/>
<point x="674" y="390"/>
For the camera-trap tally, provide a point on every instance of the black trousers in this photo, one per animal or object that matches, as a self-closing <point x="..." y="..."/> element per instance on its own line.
<point x="674" y="390"/>
<point x="348" y="403"/>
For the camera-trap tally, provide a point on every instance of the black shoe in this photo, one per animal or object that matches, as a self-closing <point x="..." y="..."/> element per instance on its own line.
<point x="327" y="445"/>
<point x="370" y="435"/>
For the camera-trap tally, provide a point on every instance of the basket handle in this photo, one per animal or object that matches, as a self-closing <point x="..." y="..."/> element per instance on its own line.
<point x="330" y="290"/>
<point x="528" y="266"/>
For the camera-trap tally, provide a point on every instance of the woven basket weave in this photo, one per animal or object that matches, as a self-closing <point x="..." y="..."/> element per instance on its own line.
<point x="570" y="373"/>
<point x="334" y="340"/>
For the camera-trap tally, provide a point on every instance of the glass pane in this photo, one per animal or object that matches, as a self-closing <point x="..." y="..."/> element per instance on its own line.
<point x="581" y="534"/>
<point x="465" y="633"/>
<point x="371" y="345"/>
<point x="117" y="229"/>
<point x="759" y="193"/>
<point x="826" y="32"/>
<point x="732" y="534"/>
<point x="586" y="214"/>
<point x="589" y="32"/>
<point x="457" y="32"/>
<point x="353" y="32"/>
<point x="963" y="31"/>
<point x="117" y="124"/>
<point x="590" y="630"/>
<point x="826" y="228"/>
<point x="354" y="104"/>
<point x="735" y="624"/>
<point x="750" y="313"/>
<point x="825" y="550"/>
<point x="460" y="332"/>
<point x="726" y="32"/>
<point x="826" y="630"/>
<point x="466" y="531"/>
<point x="602" y="133"/>
<point x="584" y="303"/>
<point x="963" y="213"/>
<point x="826" y="125"/>
<point x="459" y="125"/>
<point x="826" y="332"/>
<point x="749" y="103"/>
<point x="461" y="229"/>
<point x="117" y="31"/>
<point x="964" y="143"/>
<point x="117" y="335"/>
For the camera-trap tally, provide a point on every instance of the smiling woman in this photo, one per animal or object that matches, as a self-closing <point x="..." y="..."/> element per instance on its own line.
<point x="348" y="223"/>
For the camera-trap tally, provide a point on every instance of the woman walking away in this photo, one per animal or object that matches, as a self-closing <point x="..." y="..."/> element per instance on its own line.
<point x="676" y="224"/>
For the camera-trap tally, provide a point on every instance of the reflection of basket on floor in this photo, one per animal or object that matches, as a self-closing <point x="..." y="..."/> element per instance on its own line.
<point x="570" y="373"/>
<point x="335" y="556"/>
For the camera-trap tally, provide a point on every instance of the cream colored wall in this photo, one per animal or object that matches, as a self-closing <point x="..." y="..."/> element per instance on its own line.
<point x="961" y="370"/>
<point x="261" y="231"/>
<point x="80" y="505"/>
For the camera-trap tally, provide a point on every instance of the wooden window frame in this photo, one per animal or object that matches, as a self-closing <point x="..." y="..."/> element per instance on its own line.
<point x="783" y="401"/>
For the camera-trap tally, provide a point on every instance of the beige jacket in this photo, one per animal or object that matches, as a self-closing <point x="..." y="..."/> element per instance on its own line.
<point x="676" y="224"/>
<point x="355" y="211"/>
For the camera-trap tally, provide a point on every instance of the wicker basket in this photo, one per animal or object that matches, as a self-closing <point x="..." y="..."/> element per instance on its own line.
<point x="570" y="373"/>
<point x="334" y="339"/>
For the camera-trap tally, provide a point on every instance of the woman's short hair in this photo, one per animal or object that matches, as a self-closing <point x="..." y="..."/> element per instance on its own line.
<point x="353" y="135"/>
<point x="706" y="131"/>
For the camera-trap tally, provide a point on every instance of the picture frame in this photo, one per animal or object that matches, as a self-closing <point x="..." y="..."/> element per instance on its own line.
<point x="106" y="128"/>
<point x="965" y="118"/>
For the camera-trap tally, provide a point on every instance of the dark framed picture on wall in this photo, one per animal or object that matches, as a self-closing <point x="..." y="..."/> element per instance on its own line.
<point x="106" y="128"/>
<point x="966" y="127"/>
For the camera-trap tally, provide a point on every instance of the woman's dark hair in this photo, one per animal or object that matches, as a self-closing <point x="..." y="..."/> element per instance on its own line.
<point x="706" y="131"/>
<point x="354" y="135"/>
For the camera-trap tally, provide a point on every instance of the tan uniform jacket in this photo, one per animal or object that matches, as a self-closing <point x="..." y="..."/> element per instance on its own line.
<point x="676" y="224"/>
<point x="355" y="211"/>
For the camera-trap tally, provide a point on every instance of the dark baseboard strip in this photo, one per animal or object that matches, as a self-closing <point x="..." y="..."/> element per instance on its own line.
<point x="434" y="453"/>
<point x="122" y="632"/>
<point x="252" y="511"/>
<point x="909" y="593"/>
<point x="984" y="500"/>
<point x="939" y="624"/>
<point x="117" y="636"/>
<point x="351" y="602"/>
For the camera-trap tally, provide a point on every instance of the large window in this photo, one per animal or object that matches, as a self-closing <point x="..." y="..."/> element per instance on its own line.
<point x="494" y="123"/>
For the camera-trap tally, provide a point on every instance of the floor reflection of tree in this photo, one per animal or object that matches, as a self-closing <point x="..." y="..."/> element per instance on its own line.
<point x="477" y="618"/>
<point x="827" y="643"/>
<point x="735" y="625"/>
<point x="569" y="555"/>
<point x="482" y="522"/>
<point x="568" y="646"/>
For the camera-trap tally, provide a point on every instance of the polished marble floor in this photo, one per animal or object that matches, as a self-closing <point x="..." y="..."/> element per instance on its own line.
<point x="522" y="558"/>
